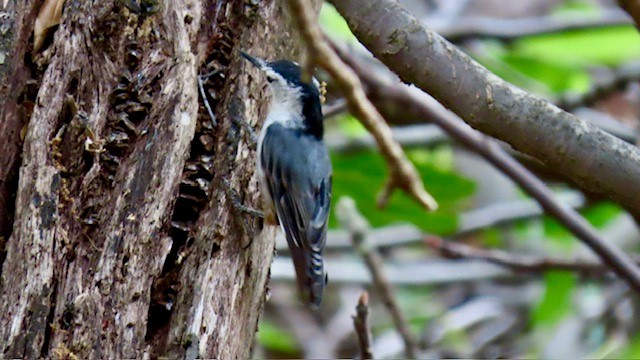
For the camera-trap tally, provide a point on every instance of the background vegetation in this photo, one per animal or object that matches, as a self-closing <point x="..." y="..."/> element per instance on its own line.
<point x="473" y="308"/>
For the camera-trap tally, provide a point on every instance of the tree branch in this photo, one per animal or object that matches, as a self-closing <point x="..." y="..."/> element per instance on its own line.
<point x="358" y="226"/>
<point x="421" y="103"/>
<point x="465" y="27"/>
<point x="632" y="7"/>
<point x="521" y="263"/>
<point x="596" y="161"/>
<point x="361" y="325"/>
<point x="402" y="172"/>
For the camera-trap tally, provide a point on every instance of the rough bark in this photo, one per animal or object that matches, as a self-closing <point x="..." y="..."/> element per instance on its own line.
<point x="125" y="243"/>
<point x="593" y="159"/>
<point x="16" y="101"/>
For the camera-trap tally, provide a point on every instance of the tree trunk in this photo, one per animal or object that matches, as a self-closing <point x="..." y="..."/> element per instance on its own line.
<point x="122" y="240"/>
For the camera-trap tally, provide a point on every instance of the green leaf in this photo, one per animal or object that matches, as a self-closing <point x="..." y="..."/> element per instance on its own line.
<point x="556" y="302"/>
<point x="362" y="175"/>
<point x="275" y="339"/>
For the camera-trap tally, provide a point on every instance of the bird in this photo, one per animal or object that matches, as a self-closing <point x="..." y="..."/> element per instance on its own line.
<point x="294" y="171"/>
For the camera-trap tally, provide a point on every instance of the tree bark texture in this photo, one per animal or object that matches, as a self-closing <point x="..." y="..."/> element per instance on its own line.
<point x="596" y="161"/>
<point x="124" y="241"/>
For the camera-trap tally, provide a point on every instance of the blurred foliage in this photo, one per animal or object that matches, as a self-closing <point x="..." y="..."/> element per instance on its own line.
<point x="630" y="351"/>
<point x="549" y="65"/>
<point x="572" y="6"/>
<point x="556" y="302"/>
<point x="334" y="24"/>
<point x="277" y="340"/>
<point x="362" y="175"/>
<point x="598" y="215"/>
<point x="560" y="61"/>
<point x="604" y="46"/>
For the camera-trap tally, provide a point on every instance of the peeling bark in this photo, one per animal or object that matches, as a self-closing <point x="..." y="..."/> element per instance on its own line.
<point x="125" y="242"/>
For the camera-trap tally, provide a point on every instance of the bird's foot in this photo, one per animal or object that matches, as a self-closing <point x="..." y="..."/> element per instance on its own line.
<point x="241" y="122"/>
<point x="239" y="209"/>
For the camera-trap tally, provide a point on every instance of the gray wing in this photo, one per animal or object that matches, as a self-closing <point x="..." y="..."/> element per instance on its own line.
<point x="298" y="172"/>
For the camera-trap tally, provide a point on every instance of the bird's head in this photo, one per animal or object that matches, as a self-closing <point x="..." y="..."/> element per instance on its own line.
<point x="285" y="80"/>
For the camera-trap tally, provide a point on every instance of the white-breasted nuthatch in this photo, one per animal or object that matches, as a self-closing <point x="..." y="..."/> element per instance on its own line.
<point x="294" y="170"/>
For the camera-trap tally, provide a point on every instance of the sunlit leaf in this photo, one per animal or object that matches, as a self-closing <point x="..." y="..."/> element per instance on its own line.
<point x="333" y="24"/>
<point x="350" y="126"/>
<point x="607" y="46"/>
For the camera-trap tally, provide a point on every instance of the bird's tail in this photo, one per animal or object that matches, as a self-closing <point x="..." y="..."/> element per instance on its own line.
<point x="310" y="273"/>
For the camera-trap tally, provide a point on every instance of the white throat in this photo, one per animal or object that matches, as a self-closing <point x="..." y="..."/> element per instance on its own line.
<point x="286" y="107"/>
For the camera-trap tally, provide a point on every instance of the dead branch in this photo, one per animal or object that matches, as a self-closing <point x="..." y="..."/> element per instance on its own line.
<point x="361" y="325"/>
<point x="357" y="225"/>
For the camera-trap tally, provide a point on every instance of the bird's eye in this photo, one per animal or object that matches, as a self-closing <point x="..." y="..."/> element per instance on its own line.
<point x="271" y="79"/>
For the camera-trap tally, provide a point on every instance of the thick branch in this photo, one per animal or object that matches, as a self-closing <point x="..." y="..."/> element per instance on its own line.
<point x="596" y="161"/>
<point x="403" y="174"/>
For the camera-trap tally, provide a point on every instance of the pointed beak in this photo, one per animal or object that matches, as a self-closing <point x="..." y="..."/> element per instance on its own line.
<point x="257" y="62"/>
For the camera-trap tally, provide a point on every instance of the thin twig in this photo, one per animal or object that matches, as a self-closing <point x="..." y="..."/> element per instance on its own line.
<point x="420" y="102"/>
<point x="402" y="172"/>
<point x="361" y="325"/>
<point x="203" y="94"/>
<point x="357" y="225"/>
<point x="521" y="263"/>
